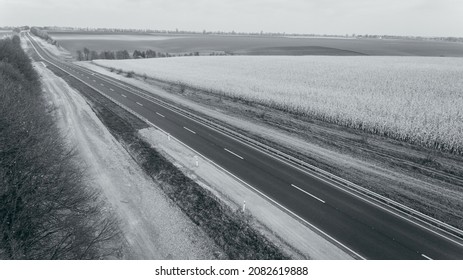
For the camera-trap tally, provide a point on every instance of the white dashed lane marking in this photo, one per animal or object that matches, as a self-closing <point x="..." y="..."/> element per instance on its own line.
<point x="189" y="130"/>
<point x="426" y="257"/>
<point x="307" y="193"/>
<point x="236" y="155"/>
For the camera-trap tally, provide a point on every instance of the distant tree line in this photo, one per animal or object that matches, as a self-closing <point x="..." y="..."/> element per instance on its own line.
<point x="234" y="33"/>
<point x="16" y="29"/>
<point x="237" y="33"/>
<point x="47" y="209"/>
<point x="87" y="54"/>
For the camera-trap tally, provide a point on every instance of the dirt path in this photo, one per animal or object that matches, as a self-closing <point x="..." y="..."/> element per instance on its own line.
<point x="153" y="227"/>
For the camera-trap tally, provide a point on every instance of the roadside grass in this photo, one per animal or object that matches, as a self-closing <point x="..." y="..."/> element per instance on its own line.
<point x="229" y="229"/>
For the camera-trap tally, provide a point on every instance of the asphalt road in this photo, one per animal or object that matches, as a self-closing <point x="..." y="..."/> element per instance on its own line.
<point x="360" y="226"/>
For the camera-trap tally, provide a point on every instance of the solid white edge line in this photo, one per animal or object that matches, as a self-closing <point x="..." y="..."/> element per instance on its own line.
<point x="374" y="201"/>
<point x="351" y="192"/>
<point x="371" y="200"/>
<point x="139" y="103"/>
<point x="160" y="115"/>
<point x="316" y="175"/>
<point x="252" y="188"/>
<point x="226" y="171"/>
<point x="306" y="192"/>
<point x="236" y="155"/>
<point x="221" y="168"/>
<point x="426" y="257"/>
<point x="348" y="190"/>
<point x="189" y="130"/>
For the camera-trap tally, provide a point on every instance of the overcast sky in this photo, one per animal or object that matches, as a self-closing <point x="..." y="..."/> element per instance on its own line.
<point x="394" y="17"/>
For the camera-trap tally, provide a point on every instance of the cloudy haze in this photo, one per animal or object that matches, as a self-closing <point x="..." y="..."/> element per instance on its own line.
<point x="393" y="17"/>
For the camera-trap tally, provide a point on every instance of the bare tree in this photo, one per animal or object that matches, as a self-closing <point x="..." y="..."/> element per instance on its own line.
<point x="86" y="52"/>
<point x="94" y="55"/>
<point x="48" y="210"/>
<point x="80" y="55"/>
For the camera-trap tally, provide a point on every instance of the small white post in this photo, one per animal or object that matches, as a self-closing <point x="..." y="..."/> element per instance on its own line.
<point x="196" y="161"/>
<point x="168" y="137"/>
<point x="244" y="206"/>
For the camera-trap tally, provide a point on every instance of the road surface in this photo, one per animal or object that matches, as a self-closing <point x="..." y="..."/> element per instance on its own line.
<point x="364" y="228"/>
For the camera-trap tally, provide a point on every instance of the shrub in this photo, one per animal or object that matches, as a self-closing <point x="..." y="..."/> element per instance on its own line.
<point x="130" y="74"/>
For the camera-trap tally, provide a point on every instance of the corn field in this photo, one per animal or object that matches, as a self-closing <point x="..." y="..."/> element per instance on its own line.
<point x="413" y="99"/>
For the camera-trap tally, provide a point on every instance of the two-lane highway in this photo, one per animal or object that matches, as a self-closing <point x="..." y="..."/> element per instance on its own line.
<point x="362" y="227"/>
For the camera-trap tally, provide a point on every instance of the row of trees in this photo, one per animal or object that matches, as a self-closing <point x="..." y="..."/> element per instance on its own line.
<point x="152" y="54"/>
<point x="87" y="54"/>
<point x="47" y="209"/>
<point x="44" y="35"/>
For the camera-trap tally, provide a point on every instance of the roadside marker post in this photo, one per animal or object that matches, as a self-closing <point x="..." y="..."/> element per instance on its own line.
<point x="196" y="161"/>
<point x="168" y="137"/>
<point x="244" y="206"/>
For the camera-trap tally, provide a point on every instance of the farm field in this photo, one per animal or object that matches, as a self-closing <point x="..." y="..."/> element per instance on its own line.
<point x="254" y="45"/>
<point x="414" y="99"/>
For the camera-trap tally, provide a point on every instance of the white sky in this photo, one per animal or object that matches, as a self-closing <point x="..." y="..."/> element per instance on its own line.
<point x="393" y="17"/>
